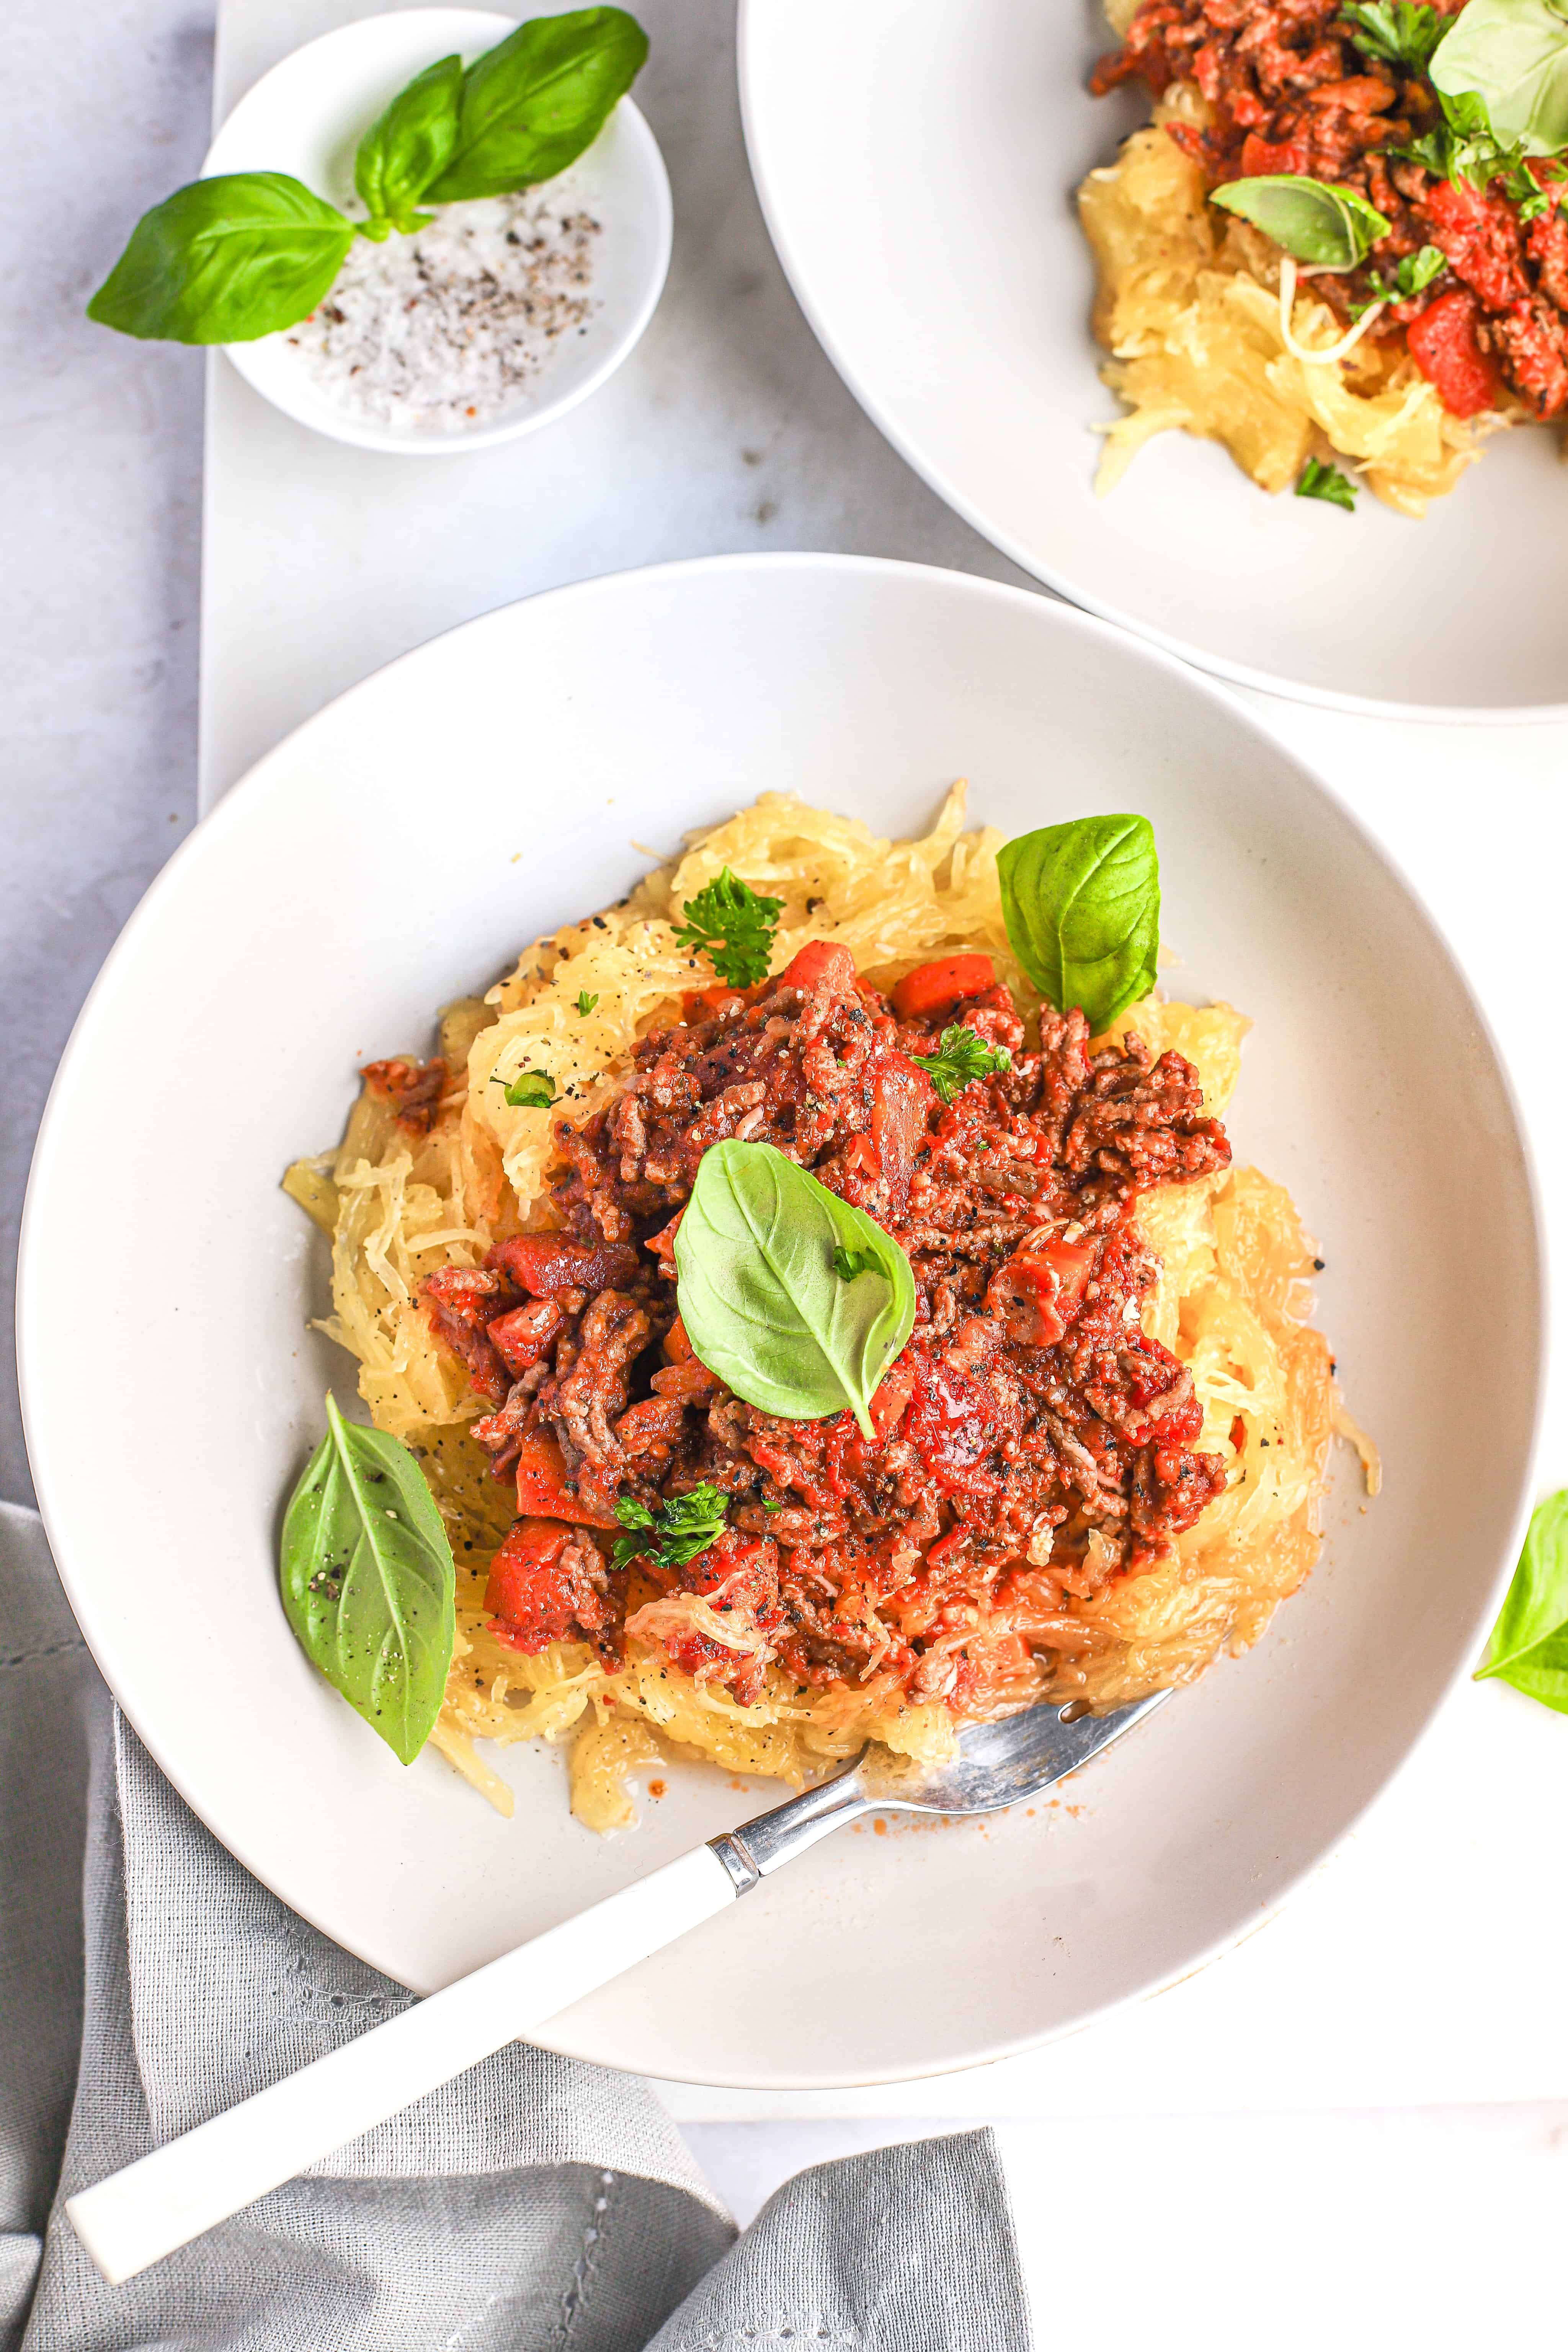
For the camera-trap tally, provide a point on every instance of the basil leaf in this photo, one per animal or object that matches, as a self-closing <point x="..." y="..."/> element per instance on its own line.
<point x="1529" y="1646"/>
<point x="532" y="105"/>
<point x="1327" y="482"/>
<point x="759" y="1299"/>
<point x="1329" y="227"/>
<point x="224" y="261"/>
<point x="1081" y="903"/>
<point x="409" y="145"/>
<point x="1512" y="55"/>
<point x="367" y="1580"/>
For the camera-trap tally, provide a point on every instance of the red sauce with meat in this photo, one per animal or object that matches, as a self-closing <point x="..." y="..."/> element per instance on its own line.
<point x="1027" y="1412"/>
<point x="1287" y="90"/>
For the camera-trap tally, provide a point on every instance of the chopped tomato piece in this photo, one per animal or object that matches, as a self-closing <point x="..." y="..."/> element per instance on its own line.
<point x="934" y="987"/>
<point x="527" y="1588"/>
<point x="818" y="967"/>
<point x="542" y="1264"/>
<point x="1040" y="1290"/>
<point x="543" y="1490"/>
<point x="523" y="1336"/>
<point x="1444" y="346"/>
<point x="1260" y="158"/>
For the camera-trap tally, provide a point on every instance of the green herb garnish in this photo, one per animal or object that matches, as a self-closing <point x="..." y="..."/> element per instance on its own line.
<point x="733" y="927"/>
<point x="585" y="1003"/>
<point x="1081" y="902"/>
<point x="367" y="1580"/>
<point x="762" y="1295"/>
<point x="1326" y="482"/>
<point x="1502" y="71"/>
<point x="960" y="1059"/>
<point x="534" y="1090"/>
<point x="1529" y="1646"/>
<point x="1399" y="32"/>
<point x="848" y="1264"/>
<point x="1328" y="227"/>
<point x="674" y="1533"/>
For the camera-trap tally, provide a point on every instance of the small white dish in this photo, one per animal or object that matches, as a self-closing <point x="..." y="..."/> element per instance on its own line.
<point x="397" y="851"/>
<point x="307" y="117"/>
<point x="920" y="199"/>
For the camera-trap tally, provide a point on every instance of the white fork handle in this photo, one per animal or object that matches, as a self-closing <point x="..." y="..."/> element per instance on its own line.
<point x="137" y="2216"/>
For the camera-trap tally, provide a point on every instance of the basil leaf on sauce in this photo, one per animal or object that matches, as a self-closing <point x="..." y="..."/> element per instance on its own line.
<point x="1328" y="227"/>
<point x="407" y="147"/>
<point x="367" y="1580"/>
<point x="224" y="260"/>
<point x="1529" y="1646"/>
<point x="1081" y="903"/>
<point x="1512" y="55"/>
<point x="762" y="1304"/>
<point x="533" y="103"/>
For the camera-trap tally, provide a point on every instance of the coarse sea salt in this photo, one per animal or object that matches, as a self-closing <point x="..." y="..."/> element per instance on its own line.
<point x="440" y="332"/>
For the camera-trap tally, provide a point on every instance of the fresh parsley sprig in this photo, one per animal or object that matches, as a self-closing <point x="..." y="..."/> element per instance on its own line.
<point x="1396" y="32"/>
<point x="1327" y="482"/>
<point x="733" y="925"/>
<point x="961" y="1057"/>
<point x="586" y="1001"/>
<point x="533" y="1091"/>
<point x="681" y="1527"/>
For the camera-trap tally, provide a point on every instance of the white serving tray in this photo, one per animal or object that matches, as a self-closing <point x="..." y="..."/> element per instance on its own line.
<point x="1422" y="1965"/>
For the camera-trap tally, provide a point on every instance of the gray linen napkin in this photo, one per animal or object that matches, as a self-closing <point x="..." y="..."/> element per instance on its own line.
<point x="534" y="2203"/>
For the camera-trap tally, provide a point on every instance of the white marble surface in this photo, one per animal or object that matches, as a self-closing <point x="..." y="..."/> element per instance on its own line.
<point x="1420" y="1968"/>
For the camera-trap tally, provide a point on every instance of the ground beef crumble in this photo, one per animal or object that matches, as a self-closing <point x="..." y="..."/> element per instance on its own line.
<point x="1287" y="90"/>
<point x="1031" y="1441"/>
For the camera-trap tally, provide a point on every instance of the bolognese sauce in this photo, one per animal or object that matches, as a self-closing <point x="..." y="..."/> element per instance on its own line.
<point x="1030" y="1442"/>
<point x="1287" y="90"/>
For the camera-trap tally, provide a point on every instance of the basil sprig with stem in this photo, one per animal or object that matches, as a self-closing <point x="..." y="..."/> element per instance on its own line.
<point x="367" y="1580"/>
<point x="246" y="253"/>
<point x="1511" y="56"/>
<point x="1081" y="903"/>
<point x="406" y="148"/>
<point x="1326" y="226"/>
<point x="760" y="1293"/>
<point x="1529" y="1646"/>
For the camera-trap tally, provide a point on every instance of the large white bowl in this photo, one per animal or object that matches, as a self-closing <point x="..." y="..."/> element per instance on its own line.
<point x="308" y="116"/>
<point x="397" y="851"/>
<point x="916" y="160"/>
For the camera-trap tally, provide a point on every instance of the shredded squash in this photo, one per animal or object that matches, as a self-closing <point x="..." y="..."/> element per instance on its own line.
<point x="1188" y="306"/>
<point x="1231" y="1303"/>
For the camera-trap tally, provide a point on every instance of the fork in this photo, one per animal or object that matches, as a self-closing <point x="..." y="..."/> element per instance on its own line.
<point x="136" y="2216"/>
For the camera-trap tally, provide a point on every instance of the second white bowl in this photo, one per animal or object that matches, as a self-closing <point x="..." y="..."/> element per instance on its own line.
<point x="307" y="117"/>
